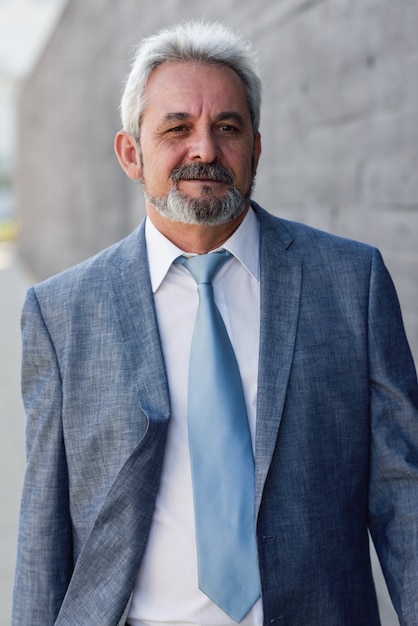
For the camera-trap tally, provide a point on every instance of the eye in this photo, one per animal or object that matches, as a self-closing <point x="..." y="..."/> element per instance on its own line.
<point x="227" y="128"/>
<point x="178" y="129"/>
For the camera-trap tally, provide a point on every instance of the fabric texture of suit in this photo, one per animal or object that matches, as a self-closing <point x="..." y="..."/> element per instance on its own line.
<point x="336" y="440"/>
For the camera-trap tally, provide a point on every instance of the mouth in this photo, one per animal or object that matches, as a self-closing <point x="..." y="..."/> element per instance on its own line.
<point x="203" y="180"/>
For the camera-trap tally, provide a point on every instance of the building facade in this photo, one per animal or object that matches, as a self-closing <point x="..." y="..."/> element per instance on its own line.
<point x="339" y="125"/>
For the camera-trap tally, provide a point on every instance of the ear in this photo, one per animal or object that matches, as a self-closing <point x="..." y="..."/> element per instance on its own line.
<point x="257" y="152"/>
<point x="127" y="151"/>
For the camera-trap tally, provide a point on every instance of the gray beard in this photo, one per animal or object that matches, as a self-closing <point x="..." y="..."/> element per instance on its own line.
<point x="206" y="210"/>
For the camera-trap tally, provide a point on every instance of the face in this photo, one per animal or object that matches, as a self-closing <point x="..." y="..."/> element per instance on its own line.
<point x="197" y="146"/>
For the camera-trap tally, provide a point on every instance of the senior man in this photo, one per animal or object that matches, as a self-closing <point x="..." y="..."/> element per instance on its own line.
<point x="224" y="403"/>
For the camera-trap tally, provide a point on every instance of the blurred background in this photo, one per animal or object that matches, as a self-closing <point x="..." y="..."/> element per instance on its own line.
<point x="340" y="151"/>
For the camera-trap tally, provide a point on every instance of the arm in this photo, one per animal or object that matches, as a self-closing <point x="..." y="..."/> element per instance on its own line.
<point x="393" y="495"/>
<point x="44" y="561"/>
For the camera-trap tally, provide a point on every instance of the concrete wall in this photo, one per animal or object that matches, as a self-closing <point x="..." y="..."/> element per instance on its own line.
<point x="340" y="125"/>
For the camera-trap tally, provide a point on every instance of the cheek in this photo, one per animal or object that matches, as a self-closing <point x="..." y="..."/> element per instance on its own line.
<point x="156" y="174"/>
<point x="240" y="159"/>
<point x="244" y="170"/>
<point x="160" y="163"/>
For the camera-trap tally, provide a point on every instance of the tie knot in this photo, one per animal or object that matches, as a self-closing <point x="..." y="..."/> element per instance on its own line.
<point x="203" y="267"/>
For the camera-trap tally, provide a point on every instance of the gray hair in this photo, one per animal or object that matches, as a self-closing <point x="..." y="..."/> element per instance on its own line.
<point x="195" y="41"/>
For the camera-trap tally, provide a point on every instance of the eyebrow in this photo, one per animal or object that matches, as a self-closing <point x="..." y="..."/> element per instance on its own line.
<point x="182" y="117"/>
<point x="176" y="117"/>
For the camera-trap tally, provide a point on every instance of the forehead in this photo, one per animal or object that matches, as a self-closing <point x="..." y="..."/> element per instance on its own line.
<point x="196" y="89"/>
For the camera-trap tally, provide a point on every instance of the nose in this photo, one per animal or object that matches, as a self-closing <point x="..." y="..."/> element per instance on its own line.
<point x="203" y="147"/>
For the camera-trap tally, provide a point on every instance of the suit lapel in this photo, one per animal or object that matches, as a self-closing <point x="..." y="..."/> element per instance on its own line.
<point x="118" y="538"/>
<point x="281" y="276"/>
<point x="134" y="310"/>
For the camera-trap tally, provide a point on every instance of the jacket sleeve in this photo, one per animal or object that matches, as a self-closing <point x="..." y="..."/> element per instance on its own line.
<point x="393" y="491"/>
<point x="44" y="560"/>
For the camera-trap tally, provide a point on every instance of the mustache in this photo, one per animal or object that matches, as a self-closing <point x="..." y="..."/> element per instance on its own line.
<point x="202" y="171"/>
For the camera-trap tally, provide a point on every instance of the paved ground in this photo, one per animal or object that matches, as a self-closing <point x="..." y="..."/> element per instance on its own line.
<point x="13" y="284"/>
<point x="12" y="462"/>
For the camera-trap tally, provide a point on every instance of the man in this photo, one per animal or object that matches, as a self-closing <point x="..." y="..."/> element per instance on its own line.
<point x="110" y="511"/>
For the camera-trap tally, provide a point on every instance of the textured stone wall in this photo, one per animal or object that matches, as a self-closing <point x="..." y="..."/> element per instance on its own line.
<point x="340" y="125"/>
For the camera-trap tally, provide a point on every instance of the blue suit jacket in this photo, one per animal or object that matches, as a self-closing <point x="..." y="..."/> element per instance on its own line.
<point x="336" y="441"/>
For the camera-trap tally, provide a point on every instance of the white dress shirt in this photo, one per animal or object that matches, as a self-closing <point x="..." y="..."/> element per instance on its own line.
<point x="167" y="590"/>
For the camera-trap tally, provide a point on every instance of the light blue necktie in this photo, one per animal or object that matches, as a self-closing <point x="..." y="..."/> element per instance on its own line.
<point x="221" y="455"/>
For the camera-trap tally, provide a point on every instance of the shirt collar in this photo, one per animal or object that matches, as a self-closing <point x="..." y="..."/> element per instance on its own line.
<point x="244" y="245"/>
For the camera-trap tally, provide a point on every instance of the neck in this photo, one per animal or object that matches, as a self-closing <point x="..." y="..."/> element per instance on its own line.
<point x="194" y="238"/>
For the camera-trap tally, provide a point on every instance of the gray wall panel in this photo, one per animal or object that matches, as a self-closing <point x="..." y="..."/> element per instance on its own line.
<point x="339" y="125"/>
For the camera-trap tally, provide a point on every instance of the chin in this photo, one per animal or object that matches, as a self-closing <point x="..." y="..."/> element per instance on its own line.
<point x="203" y="210"/>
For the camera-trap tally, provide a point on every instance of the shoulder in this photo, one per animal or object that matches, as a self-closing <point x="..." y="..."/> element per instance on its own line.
<point x="311" y="243"/>
<point x="93" y="274"/>
<point x="86" y="291"/>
